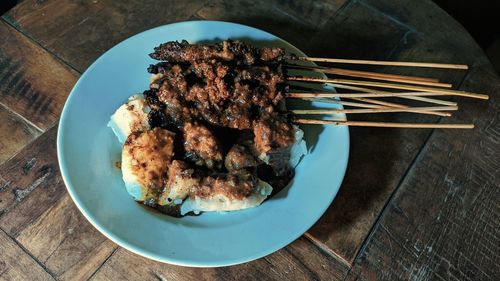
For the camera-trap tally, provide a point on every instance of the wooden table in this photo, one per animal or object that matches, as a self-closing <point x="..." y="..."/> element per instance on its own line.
<point x="415" y="204"/>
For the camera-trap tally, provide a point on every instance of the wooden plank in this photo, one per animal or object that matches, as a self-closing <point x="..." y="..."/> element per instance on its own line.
<point x="47" y="224"/>
<point x="295" y="21"/>
<point x="424" y="17"/>
<point x="443" y="222"/>
<point x="383" y="156"/>
<point x="80" y="31"/>
<point x="15" y="264"/>
<point x="16" y="134"/>
<point x="299" y="261"/>
<point x="33" y="83"/>
<point x="39" y="213"/>
<point x="32" y="169"/>
<point x="427" y="21"/>
<point x="345" y="36"/>
<point x="65" y="242"/>
<point x="349" y="219"/>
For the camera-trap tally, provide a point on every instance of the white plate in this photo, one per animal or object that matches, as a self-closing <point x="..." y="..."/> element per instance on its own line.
<point x="87" y="151"/>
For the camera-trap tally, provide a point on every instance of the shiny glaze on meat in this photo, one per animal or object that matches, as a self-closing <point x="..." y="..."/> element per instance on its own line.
<point x="227" y="51"/>
<point x="216" y="92"/>
<point x="211" y="96"/>
<point x="201" y="146"/>
<point x="272" y="132"/>
<point x="239" y="157"/>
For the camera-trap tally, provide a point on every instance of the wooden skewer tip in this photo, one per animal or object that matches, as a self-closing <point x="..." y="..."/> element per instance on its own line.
<point x="389" y="63"/>
<point x="384" y="124"/>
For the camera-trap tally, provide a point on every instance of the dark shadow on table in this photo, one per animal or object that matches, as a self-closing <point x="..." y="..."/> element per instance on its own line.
<point x="379" y="157"/>
<point x="6" y="5"/>
<point x="373" y="151"/>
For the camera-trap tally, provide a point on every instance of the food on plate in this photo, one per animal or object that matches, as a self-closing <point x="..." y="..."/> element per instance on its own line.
<point x="146" y="157"/>
<point x="130" y="117"/>
<point x="227" y="192"/>
<point x="201" y="146"/>
<point x="210" y="133"/>
<point x="232" y="51"/>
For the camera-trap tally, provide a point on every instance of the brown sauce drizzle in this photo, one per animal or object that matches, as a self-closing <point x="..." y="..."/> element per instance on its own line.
<point x="234" y="92"/>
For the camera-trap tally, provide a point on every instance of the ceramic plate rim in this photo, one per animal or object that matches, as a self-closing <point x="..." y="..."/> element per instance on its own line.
<point x="127" y="245"/>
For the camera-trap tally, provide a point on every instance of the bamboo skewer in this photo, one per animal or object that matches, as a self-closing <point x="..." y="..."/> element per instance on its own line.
<point x="443" y="92"/>
<point x="389" y="63"/>
<point x="370" y="110"/>
<point x="391" y="104"/>
<point x="371" y="103"/>
<point x="429" y="100"/>
<point x="420" y="85"/>
<point x="374" y="75"/>
<point x="418" y="88"/>
<point x="347" y="103"/>
<point x="362" y="95"/>
<point x="435" y="91"/>
<point x="386" y="75"/>
<point x="380" y="102"/>
<point x="367" y="90"/>
<point x="384" y="124"/>
<point x="397" y="105"/>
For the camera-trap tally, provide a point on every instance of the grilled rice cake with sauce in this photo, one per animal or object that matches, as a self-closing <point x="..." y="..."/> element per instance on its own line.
<point x="228" y="192"/>
<point x="130" y="117"/>
<point x="146" y="157"/>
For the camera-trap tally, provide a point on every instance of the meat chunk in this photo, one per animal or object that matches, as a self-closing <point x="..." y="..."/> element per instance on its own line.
<point x="227" y="51"/>
<point x="216" y="92"/>
<point x="201" y="145"/>
<point x="270" y="54"/>
<point x="272" y="132"/>
<point x="239" y="157"/>
<point x="237" y="117"/>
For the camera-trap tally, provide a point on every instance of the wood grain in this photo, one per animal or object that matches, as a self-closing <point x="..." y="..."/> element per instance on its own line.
<point x="345" y="226"/>
<point x="65" y="242"/>
<point x="17" y="133"/>
<point x="33" y="83"/>
<point x="299" y="261"/>
<point x="34" y="169"/>
<point x="80" y="31"/>
<point x="295" y="21"/>
<point x="39" y="213"/>
<point x="443" y="222"/>
<point x="15" y="264"/>
<point x="345" y="36"/>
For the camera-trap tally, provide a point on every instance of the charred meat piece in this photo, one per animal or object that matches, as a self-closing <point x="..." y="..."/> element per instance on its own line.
<point x="235" y="51"/>
<point x="171" y="95"/>
<point x="239" y="157"/>
<point x="237" y="117"/>
<point x="220" y="94"/>
<point x="201" y="146"/>
<point x="272" y="132"/>
<point x="209" y="84"/>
